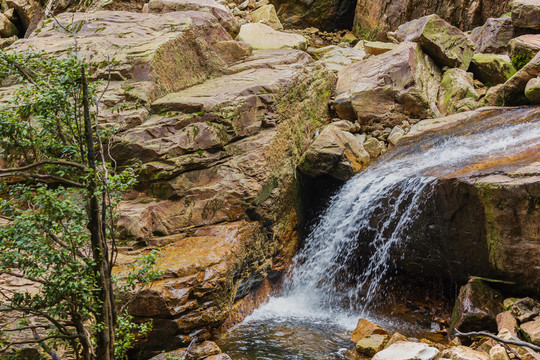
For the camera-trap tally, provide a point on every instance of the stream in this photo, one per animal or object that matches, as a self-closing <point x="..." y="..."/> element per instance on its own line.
<point x="340" y="274"/>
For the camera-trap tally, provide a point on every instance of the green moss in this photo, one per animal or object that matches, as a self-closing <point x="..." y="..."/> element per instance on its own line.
<point x="520" y="60"/>
<point x="267" y="190"/>
<point x="492" y="230"/>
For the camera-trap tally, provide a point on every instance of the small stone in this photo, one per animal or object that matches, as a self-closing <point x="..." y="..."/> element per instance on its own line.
<point x="464" y="353"/>
<point x="373" y="147"/>
<point x="505" y="320"/>
<point x="396" y="134"/>
<point x="365" y="328"/>
<point x="372" y="344"/>
<point x="508" y="302"/>
<point x="498" y="353"/>
<point x="532" y="91"/>
<point x="396" y="337"/>
<point x="525" y="309"/>
<point x="378" y="47"/>
<point x="531" y="331"/>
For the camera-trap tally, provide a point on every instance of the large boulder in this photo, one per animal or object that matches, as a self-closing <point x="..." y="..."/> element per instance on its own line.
<point x="407" y="350"/>
<point x="260" y="36"/>
<point x="526" y="14"/>
<point x="379" y="16"/>
<point x="446" y="44"/>
<point x="492" y="69"/>
<point x="384" y="90"/>
<point x="456" y="85"/>
<point x="477" y="307"/>
<point x="523" y="48"/>
<point x="226" y="19"/>
<point x="480" y="219"/>
<point x="143" y="48"/>
<point x="493" y="36"/>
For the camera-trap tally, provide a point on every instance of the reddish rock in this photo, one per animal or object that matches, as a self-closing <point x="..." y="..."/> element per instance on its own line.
<point x="506" y="320"/>
<point x="365" y="328"/>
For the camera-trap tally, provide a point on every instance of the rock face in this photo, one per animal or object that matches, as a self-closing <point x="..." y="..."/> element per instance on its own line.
<point x="385" y="90"/>
<point x="446" y="44"/>
<point x="218" y="132"/>
<point x="484" y="224"/>
<point x="378" y="16"/>
<point x="261" y="36"/>
<point x="323" y="14"/>
<point x="526" y="14"/>
<point x="477" y="306"/>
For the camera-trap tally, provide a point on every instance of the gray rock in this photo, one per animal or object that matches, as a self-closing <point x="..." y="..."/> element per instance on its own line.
<point x="261" y="37"/>
<point x="531" y="330"/>
<point x="493" y="36"/>
<point x="395" y="135"/>
<point x="525" y="309"/>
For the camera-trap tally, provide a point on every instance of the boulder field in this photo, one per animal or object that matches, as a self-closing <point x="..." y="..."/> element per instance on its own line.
<point x="228" y="119"/>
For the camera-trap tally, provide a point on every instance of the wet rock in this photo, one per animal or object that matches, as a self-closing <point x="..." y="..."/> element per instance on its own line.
<point x="406" y="350"/>
<point x="532" y="90"/>
<point x="365" y="328"/>
<point x="395" y="135"/>
<point x="477" y="306"/>
<point x="523" y="48"/>
<point x="261" y="36"/>
<point x="378" y="47"/>
<point x="456" y="85"/>
<point x="338" y="58"/>
<point x="498" y="353"/>
<point x="512" y="92"/>
<point x="226" y="19"/>
<point x="464" y="353"/>
<point x="384" y="90"/>
<point x="525" y="309"/>
<point x="493" y="36"/>
<point x="267" y="15"/>
<point x="371" y="344"/>
<point x="531" y="330"/>
<point x="506" y="320"/>
<point x="492" y="69"/>
<point x="526" y="14"/>
<point x="329" y="149"/>
<point x="446" y="44"/>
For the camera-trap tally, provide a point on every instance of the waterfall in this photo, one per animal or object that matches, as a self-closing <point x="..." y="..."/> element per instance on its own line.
<point x="369" y="217"/>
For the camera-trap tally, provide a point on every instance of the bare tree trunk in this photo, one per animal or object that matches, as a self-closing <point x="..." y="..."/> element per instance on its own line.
<point x="100" y="252"/>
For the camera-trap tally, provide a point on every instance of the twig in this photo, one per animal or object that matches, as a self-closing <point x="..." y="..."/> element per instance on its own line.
<point x="41" y="163"/>
<point x="501" y="340"/>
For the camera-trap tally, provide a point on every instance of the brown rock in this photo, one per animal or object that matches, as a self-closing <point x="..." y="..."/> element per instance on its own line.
<point x="525" y="309"/>
<point x="7" y="29"/>
<point x="523" y="48"/>
<point x="493" y="36"/>
<point x="376" y="17"/>
<point x="365" y="328"/>
<point x="446" y="44"/>
<point x="371" y="344"/>
<point x="531" y="330"/>
<point x="396" y="337"/>
<point x="29" y="12"/>
<point x="378" y="47"/>
<point x="326" y="15"/>
<point x="476" y="307"/>
<point x="267" y="15"/>
<point x="384" y="90"/>
<point x="498" y="353"/>
<point x="506" y="320"/>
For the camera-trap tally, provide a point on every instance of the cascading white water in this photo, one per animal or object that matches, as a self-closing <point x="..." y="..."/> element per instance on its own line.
<point x="383" y="201"/>
<point x="381" y="204"/>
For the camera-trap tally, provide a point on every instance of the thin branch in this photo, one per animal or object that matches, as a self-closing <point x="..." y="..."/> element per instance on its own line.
<point x="22" y="342"/>
<point x="41" y="163"/>
<point x="46" y="178"/>
<point x="57" y="240"/>
<point x="27" y="327"/>
<point x="501" y="340"/>
<point x="21" y="276"/>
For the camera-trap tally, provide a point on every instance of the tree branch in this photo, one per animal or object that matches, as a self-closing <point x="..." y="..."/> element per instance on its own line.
<point x="46" y="178"/>
<point x="41" y="163"/>
<point x="22" y="342"/>
<point x="501" y="340"/>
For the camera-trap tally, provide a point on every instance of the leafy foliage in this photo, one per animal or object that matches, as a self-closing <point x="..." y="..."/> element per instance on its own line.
<point x="50" y="188"/>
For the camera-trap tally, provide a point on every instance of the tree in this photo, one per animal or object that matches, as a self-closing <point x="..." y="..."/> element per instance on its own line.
<point x="59" y="194"/>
